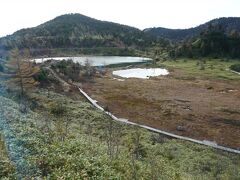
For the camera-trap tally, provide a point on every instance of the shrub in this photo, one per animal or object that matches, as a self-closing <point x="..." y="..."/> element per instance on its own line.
<point x="69" y="69"/>
<point x="42" y="76"/>
<point x="57" y="109"/>
<point x="1" y="68"/>
<point x="235" y="67"/>
<point x="6" y="169"/>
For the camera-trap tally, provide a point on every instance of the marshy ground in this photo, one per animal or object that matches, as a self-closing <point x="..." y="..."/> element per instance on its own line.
<point x="200" y="103"/>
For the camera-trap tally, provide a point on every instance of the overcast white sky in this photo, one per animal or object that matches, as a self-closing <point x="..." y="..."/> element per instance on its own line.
<point x="17" y="14"/>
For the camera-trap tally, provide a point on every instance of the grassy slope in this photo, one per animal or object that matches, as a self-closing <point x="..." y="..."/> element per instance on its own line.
<point x="83" y="153"/>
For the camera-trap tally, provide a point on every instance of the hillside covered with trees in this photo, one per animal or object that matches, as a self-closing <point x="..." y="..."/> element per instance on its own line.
<point x="213" y="42"/>
<point x="229" y="25"/>
<point x="77" y="31"/>
<point x="84" y="35"/>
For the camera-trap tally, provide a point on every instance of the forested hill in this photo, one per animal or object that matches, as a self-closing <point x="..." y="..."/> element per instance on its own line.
<point x="213" y="42"/>
<point x="229" y="25"/>
<point x="76" y="31"/>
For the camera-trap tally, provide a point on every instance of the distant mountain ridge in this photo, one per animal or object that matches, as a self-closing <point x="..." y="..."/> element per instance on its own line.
<point x="76" y="31"/>
<point x="228" y="24"/>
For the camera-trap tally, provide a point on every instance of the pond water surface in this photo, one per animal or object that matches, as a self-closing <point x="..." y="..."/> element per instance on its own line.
<point x="98" y="60"/>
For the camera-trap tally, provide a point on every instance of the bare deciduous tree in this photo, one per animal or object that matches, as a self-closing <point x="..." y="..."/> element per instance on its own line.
<point x="113" y="137"/>
<point x="110" y="135"/>
<point x="62" y="120"/>
<point x="89" y="69"/>
<point x="22" y="72"/>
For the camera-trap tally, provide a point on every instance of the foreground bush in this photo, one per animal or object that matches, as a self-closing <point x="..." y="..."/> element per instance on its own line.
<point x="1" y="68"/>
<point x="235" y="67"/>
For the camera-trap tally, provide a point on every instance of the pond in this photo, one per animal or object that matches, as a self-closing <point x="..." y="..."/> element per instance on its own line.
<point x="98" y="60"/>
<point x="141" y="73"/>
